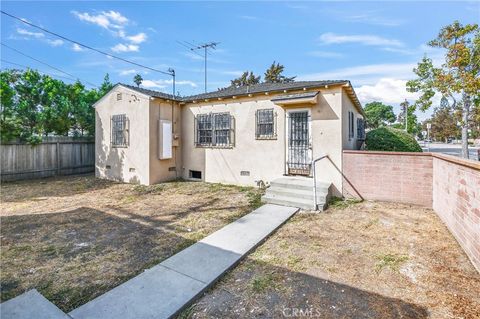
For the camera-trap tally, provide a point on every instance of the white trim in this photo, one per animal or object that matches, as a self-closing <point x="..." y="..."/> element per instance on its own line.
<point x="287" y="131"/>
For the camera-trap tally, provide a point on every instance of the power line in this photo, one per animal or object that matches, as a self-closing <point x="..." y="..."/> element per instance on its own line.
<point x="44" y="63"/>
<point x="189" y="48"/>
<point x="43" y="72"/>
<point x="84" y="45"/>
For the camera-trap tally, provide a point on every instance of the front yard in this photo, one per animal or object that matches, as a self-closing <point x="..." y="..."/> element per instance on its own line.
<point x="74" y="238"/>
<point x="363" y="260"/>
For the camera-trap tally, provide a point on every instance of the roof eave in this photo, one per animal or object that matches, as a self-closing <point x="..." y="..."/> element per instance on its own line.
<point x="353" y="96"/>
<point x="248" y="94"/>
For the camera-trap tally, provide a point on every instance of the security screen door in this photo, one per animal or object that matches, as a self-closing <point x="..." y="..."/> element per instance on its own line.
<point x="299" y="150"/>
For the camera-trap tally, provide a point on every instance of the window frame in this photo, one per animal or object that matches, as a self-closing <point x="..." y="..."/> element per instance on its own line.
<point x="258" y="125"/>
<point x="206" y="139"/>
<point x="360" y="128"/>
<point x="119" y="126"/>
<point x="351" y="125"/>
<point x="219" y="125"/>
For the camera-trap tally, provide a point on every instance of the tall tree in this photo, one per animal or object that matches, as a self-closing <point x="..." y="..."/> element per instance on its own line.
<point x="105" y="87"/>
<point x="274" y="74"/>
<point x="411" y="125"/>
<point x="10" y="123"/>
<point x="247" y="78"/>
<point x="137" y="79"/>
<point x="444" y="123"/>
<point x="378" y="114"/>
<point x="457" y="79"/>
<point x="33" y="105"/>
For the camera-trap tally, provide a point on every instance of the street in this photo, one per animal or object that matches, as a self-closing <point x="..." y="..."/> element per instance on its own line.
<point x="450" y="149"/>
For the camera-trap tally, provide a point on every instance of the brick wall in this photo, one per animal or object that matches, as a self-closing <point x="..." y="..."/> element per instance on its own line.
<point x="450" y="185"/>
<point x="456" y="200"/>
<point x="388" y="176"/>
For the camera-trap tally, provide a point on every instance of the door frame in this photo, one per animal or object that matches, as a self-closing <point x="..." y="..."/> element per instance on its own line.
<point x="287" y="134"/>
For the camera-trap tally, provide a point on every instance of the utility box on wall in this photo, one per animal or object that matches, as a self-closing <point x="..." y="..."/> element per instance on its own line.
<point x="164" y="139"/>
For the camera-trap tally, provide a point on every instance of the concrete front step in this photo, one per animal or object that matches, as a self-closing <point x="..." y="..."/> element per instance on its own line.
<point x="296" y="194"/>
<point x="303" y="183"/>
<point x="292" y="201"/>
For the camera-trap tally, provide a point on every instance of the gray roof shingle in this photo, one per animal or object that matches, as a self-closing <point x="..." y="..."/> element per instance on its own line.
<point x="243" y="90"/>
<point x="261" y="87"/>
<point x="148" y="92"/>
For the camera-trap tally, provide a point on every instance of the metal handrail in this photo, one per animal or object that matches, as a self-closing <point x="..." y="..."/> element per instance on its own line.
<point x="315" y="179"/>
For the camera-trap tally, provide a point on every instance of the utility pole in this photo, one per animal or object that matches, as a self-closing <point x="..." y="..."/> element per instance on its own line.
<point x="404" y="105"/>
<point x="205" y="47"/>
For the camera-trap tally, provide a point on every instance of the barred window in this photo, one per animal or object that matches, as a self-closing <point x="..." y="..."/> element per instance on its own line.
<point x="214" y="129"/>
<point x="204" y="129"/>
<point x="265" y="124"/>
<point x="120" y="130"/>
<point x="361" y="129"/>
<point x="351" y="125"/>
<point x="222" y="129"/>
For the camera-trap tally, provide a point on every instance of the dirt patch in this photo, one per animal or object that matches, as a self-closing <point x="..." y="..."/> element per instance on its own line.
<point x="74" y="238"/>
<point x="356" y="260"/>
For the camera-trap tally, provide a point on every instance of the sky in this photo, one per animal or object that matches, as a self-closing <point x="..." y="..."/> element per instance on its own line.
<point x="375" y="45"/>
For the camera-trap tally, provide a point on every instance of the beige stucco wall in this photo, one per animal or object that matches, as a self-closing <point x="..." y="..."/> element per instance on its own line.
<point x="159" y="169"/>
<point x="128" y="164"/>
<point x="349" y="143"/>
<point x="264" y="159"/>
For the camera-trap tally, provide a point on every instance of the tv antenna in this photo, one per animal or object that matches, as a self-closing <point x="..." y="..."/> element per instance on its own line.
<point x="204" y="47"/>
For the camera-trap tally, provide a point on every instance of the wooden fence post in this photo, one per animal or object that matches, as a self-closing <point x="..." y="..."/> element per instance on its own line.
<point x="58" y="158"/>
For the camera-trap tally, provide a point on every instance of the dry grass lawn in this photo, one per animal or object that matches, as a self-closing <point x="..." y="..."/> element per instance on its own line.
<point x="74" y="238"/>
<point x="356" y="260"/>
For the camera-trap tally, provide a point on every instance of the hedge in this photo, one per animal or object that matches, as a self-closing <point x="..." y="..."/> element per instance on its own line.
<point x="391" y="140"/>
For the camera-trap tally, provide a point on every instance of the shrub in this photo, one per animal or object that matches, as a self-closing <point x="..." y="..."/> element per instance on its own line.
<point x="391" y="140"/>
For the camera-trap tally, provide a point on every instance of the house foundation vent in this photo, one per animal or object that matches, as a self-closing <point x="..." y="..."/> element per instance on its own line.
<point x="195" y="174"/>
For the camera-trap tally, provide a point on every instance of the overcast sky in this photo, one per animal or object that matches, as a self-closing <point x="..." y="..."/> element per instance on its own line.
<point x="375" y="45"/>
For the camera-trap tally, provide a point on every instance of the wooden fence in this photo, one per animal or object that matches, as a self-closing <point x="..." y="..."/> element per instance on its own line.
<point x="54" y="156"/>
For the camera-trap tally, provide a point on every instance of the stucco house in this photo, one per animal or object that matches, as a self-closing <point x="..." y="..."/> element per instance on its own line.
<point x="267" y="133"/>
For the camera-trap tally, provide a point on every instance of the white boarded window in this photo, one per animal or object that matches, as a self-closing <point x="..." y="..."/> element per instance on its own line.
<point x="164" y="139"/>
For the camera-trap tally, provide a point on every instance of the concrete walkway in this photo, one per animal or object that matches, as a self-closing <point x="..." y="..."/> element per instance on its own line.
<point x="30" y="305"/>
<point x="164" y="290"/>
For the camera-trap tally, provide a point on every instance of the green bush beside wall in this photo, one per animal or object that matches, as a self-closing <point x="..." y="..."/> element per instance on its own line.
<point x="391" y="140"/>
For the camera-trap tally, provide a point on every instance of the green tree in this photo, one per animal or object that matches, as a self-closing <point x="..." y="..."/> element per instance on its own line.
<point x="83" y="113"/>
<point x="10" y="124"/>
<point x="411" y="125"/>
<point x="33" y="105"/>
<point x="105" y="87"/>
<point x="444" y="123"/>
<point x="137" y="79"/>
<point x="247" y="78"/>
<point x="274" y="74"/>
<point x="29" y="91"/>
<point x="378" y="114"/>
<point x="55" y="107"/>
<point x="457" y="79"/>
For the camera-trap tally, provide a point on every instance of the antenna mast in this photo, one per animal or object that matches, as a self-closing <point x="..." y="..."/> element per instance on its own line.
<point x="205" y="47"/>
